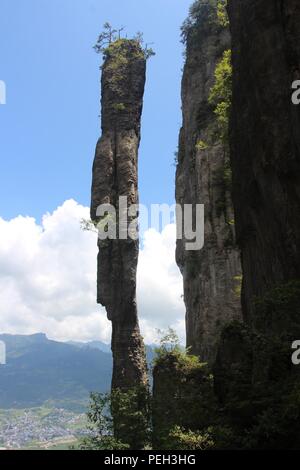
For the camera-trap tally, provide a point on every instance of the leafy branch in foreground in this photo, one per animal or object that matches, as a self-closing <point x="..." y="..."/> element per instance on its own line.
<point x="118" y="420"/>
<point x="101" y="435"/>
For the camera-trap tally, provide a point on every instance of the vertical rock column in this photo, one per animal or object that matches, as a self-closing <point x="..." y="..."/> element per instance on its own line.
<point x="211" y="276"/>
<point x="114" y="175"/>
<point x="265" y="143"/>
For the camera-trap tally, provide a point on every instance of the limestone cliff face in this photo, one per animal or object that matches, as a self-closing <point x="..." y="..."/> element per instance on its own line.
<point x="254" y="373"/>
<point x="211" y="276"/>
<point x="265" y="143"/>
<point x="114" y="175"/>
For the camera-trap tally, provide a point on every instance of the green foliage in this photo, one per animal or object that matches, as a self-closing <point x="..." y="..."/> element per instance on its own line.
<point x="169" y="344"/>
<point x="201" y="145"/>
<point x="203" y="14"/>
<point x="119" y="420"/>
<point x="101" y="426"/>
<point x="279" y="310"/>
<point x="181" y="439"/>
<point x="221" y="94"/>
<point x="118" y="50"/>
<point x="183" y="392"/>
<point x="119" y="106"/>
<point x="222" y="13"/>
<point x="170" y="350"/>
<point x="230" y="222"/>
<point x="215" y="437"/>
<point x="108" y="35"/>
<point x="220" y="98"/>
<point x="116" y="58"/>
<point x="257" y="385"/>
<point x="238" y="287"/>
<point x="148" y="51"/>
<point x="111" y="37"/>
<point x="131" y="415"/>
<point x="278" y="426"/>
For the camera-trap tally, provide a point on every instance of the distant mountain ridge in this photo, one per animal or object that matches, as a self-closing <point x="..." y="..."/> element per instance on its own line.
<point x="39" y="369"/>
<point x="92" y="344"/>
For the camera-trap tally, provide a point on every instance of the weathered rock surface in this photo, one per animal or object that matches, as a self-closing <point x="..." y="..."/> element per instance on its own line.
<point x="114" y="175"/>
<point x="265" y="143"/>
<point x="211" y="276"/>
<point x="255" y="378"/>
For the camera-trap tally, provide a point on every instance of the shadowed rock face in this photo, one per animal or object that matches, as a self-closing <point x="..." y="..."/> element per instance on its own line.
<point x="254" y="374"/>
<point x="211" y="276"/>
<point x="114" y="175"/>
<point x="265" y="143"/>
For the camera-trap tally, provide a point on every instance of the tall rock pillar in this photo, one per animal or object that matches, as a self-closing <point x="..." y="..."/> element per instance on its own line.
<point x="115" y="175"/>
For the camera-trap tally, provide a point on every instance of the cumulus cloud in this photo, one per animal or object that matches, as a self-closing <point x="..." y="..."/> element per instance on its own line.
<point x="48" y="279"/>
<point x="159" y="287"/>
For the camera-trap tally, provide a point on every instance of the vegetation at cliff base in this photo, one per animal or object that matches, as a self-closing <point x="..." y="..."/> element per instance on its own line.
<point x="180" y="439"/>
<point x="101" y="426"/>
<point x="258" y="389"/>
<point x="118" y="420"/>
<point x="183" y="402"/>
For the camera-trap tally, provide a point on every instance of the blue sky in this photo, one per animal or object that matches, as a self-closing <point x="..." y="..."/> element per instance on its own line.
<point x="50" y="124"/>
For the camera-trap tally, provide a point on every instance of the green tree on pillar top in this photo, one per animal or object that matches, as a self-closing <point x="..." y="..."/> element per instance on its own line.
<point x="111" y="35"/>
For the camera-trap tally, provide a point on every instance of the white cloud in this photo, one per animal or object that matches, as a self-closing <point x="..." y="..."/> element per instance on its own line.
<point x="48" y="279"/>
<point x="160" y="283"/>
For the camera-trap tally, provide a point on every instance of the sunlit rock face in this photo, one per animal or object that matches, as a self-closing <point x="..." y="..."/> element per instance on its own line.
<point x="211" y="276"/>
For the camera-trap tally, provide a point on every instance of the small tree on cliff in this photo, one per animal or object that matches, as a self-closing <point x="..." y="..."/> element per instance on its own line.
<point x="208" y="11"/>
<point x="108" y="35"/>
<point x="100" y="427"/>
<point x="130" y="409"/>
<point x="111" y="35"/>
